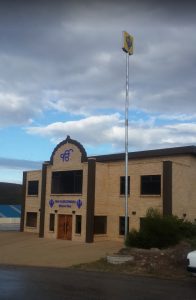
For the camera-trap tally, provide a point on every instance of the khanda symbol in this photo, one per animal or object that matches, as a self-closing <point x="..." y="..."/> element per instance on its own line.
<point x="129" y="41"/>
<point x="79" y="203"/>
<point x="66" y="155"/>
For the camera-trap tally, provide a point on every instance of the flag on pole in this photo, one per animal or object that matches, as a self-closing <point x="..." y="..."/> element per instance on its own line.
<point x="127" y="43"/>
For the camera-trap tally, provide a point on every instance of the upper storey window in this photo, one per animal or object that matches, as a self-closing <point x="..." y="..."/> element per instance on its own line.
<point x="33" y="187"/>
<point x="122" y="185"/>
<point x="67" y="182"/>
<point x="151" y="185"/>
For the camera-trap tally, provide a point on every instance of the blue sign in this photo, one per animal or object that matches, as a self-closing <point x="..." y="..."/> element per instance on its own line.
<point x="51" y="203"/>
<point x="65" y="203"/>
<point x="79" y="203"/>
<point x="66" y="155"/>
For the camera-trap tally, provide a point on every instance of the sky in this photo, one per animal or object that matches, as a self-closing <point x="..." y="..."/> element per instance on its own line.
<point x="63" y="72"/>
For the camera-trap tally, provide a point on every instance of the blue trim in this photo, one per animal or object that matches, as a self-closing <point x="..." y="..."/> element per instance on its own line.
<point x="10" y="211"/>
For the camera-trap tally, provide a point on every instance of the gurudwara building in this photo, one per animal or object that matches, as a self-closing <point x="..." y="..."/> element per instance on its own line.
<point x="80" y="198"/>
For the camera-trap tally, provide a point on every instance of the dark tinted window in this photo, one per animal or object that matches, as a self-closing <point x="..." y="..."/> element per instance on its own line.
<point x="151" y="185"/>
<point x="52" y="222"/>
<point x="122" y="225"/>
<point x="33" y="187"/>
<point x="31" y="220"/>
<point x="122" y="185"/>
<point x="78" y="224"/>
<point x="67" y="182"/>
<point x="100" y="225"/>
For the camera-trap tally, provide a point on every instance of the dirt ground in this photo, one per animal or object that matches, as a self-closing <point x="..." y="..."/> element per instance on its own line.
<point x="166" y="263"/>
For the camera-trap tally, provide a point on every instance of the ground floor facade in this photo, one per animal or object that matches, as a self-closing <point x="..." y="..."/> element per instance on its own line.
<point x="81" y="198"/>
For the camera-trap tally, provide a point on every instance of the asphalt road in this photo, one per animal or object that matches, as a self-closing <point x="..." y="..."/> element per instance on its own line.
<point x="54" y="284"/>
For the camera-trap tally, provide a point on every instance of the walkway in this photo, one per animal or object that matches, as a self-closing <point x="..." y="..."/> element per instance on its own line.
<point x="27" y="249"/>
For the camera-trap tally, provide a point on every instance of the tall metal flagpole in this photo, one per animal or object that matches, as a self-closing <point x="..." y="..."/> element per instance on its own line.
<point x="128" y="48"/>
<point x="126" y="143"/>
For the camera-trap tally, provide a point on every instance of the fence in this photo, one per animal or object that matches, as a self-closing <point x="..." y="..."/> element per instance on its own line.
<point x="9" y="224"/>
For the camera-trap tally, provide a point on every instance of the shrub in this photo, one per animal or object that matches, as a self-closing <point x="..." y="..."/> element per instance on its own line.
<point x="187" y="229"/>
<point x="160" y="231"/>
<point x="133" y="238"/>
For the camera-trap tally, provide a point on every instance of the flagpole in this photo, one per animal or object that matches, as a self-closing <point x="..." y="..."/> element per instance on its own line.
<point x="126" y="143"/>
<point x="128" y="49"/>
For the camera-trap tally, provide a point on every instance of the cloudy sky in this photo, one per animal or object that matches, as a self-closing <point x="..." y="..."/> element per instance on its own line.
<point x="62" y="72"/>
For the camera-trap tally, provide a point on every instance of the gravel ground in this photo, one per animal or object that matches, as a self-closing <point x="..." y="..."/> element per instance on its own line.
<point x="166" y="263"/>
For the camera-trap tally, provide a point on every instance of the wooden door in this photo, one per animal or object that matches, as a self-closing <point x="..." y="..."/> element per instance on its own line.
<point x="65" y="227"/>
<point x="68" y="227"/>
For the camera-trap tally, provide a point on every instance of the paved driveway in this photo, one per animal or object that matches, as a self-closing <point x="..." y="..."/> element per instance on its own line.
<point x="27" y="249"/>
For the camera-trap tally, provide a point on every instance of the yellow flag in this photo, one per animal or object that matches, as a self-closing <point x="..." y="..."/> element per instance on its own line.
<point x="128" y="43"/>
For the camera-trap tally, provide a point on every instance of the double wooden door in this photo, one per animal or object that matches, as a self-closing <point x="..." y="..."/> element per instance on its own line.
<point x="65" y="227"/>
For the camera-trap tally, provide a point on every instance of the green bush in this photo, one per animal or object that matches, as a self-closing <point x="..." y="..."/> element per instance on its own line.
<point x="133" y="238"/>
<point x="187" y="229"/>
<point x="159" y="231"/>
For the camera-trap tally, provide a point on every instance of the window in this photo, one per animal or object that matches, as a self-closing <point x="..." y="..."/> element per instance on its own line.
<point x="100" y="225"/>
<point x="33" y="187"/>
<point x="78" y="224"/>
<point x="151" y="185"/>
<point x="31" y="219"/>
<point x="122" y="225"/>
<point x="122" y="185"/>
<point x="51" y="222"/>
<point x="67" y="182"/>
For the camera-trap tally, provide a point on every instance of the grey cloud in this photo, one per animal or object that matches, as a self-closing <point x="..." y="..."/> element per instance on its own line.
<point x="19" y="164"/>
<point x="142" y="134"/>
<point x="49" y="56"/>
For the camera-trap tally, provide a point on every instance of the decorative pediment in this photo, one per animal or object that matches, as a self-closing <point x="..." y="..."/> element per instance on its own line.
<point x="67" y="152"/>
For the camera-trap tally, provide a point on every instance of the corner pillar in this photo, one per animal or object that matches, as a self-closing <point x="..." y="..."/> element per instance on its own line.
<point x="24" y="188"/>
<point x="43" y="201"/>
<point x="167" y="188"/>
<point x="90" y="200"/>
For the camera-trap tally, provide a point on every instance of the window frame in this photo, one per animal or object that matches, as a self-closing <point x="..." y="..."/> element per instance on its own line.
<point x="30" y="187"/>
<point x="157" y="189"/>
<point x="67" y="182"/>
<point x="32" y="223"/>
<point x="78" y="224"/>
<point x="52" y="222"/>
<point x="122" y="231"/>
<point x="98" y="225"/>
<point x="122" y="185"/>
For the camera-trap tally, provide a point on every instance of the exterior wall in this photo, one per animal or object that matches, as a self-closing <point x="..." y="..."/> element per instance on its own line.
<point x="74" y="163"/>
<point x="110" y="203"/>
<point x="101" y="191"/>
<point x="102" y="188"/>
<point x="33" y="203"/>
<point x="191" y="205"/>
<point x="184" y="189"/>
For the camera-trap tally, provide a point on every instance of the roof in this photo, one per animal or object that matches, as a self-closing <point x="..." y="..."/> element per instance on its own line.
<point x="10" y="211"/>
<point x="187" y="150"/>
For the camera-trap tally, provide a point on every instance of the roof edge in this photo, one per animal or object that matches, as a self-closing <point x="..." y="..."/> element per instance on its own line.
<point x="191" y="150"/>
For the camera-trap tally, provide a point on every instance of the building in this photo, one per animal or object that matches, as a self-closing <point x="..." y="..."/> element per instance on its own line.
<point x="80" y="198"/>
<point x="10" y="206"/>
<point x="10" y="217"/>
